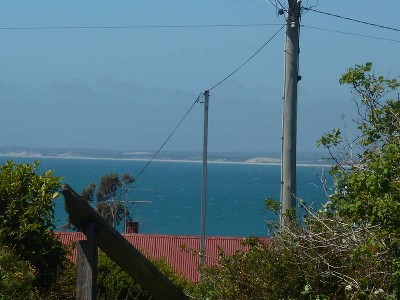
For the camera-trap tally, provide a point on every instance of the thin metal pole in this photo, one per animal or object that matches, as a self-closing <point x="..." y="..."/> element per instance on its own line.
<point x="126" y="210"/>
<point x="204" y="187"/>
<point x="288" y="184"/>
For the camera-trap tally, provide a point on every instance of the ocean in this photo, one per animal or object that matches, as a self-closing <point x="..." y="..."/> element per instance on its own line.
<point x="236" y="192"/>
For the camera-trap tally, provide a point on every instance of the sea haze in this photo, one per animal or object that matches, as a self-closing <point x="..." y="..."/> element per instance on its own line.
<point x="235" y="197"/>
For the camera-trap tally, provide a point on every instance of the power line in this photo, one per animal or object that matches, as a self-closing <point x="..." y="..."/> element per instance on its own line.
<point x="169" y="137"/>
<point x="250" y="58"/>
<point x="198" y="99"/>
<point x="283" y="7"/>
<point x="273" y="4"/>
<point x="352" y="33"/>
<point x="159" y="26"/>
<point x="138" y="26"/>
<point x="351" y="19"/>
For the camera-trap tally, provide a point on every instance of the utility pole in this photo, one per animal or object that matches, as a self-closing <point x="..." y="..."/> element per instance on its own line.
<point x="289" y="122"/>
<point x="204" y="185"/>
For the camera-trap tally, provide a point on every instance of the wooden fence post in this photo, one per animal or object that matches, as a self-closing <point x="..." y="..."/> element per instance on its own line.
<point x="117" y="248"/>
<point x="87" y="264"/>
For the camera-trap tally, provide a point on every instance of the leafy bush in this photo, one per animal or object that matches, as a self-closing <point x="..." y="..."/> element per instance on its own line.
<point x="65" y="286"/>
<point x="114" y="283"/>
<point x="327" y="257"/>
<point x="350" y="249"/>
<point x="367" y="189"/>
<point x="256" y="274"/>
<point x="27" y="217"/>
<point x="16" y="277"/>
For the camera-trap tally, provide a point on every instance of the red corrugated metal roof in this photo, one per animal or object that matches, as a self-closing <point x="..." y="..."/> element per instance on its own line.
<point x="181" y="252"/>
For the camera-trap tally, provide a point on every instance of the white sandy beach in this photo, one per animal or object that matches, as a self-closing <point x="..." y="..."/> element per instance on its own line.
<point x="253" y="161"/>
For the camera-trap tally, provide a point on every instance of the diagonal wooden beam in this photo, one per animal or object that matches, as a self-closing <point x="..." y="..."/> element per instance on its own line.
<point x="113" y="244"/>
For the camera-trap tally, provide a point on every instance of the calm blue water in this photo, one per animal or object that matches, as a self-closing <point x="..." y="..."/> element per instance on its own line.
<point x="236" y="193"/>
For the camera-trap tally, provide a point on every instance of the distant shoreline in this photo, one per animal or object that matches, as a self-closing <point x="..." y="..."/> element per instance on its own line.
<point x="273" y="162"/>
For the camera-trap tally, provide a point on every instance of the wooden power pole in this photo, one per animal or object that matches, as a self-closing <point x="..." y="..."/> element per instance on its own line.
<point x="289" y="123"/>
<point x="204" y="185"/>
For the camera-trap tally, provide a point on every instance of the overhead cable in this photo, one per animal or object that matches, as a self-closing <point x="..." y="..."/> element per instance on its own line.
<point x="244" y="63"/>
<point x="197" y="100"/>
<point x="138" y="26"/>
<point x="351" y="19"/>
<point x="283" y="7"/>
<point x="169" y="137"/>
<point x="352" y="33"/>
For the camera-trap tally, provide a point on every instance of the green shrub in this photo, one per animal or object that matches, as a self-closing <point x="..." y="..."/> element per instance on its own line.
<point x="114" y="283"/>
<point x="350" y="249"/>
<point x="16" y="276"/>
<point x="27" y="218"/>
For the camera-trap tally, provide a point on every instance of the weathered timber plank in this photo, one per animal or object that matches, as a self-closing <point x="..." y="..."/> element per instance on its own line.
<point x="86" y="286"/>
<point x="120" y="250"/>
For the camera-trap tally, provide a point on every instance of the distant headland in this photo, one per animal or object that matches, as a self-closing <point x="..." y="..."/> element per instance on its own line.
<point x="254" y="158"/>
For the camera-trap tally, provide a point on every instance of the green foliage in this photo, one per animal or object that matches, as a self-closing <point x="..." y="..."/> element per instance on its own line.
<point x="113" y="283"/>
<point x="369" y="191"/>
<point x="272" y="205"/>
<point x="65" y="286"/>
<point x="16" y="277"/>
<point x="88" y="193"/>
<point x="108" y="196"/>
<point x="350" y="249"/>
<point x="108" y="187"/>
<point x="26" y="220"/>
<point x="261" y="273"/>
<point x="179" y="280"/>
<point x="325" y="257"/>
<point x="112" y="212"/>
<point x="378" y="117"/>
<point x="110" y="184"/>
<point x="330" y="139"/>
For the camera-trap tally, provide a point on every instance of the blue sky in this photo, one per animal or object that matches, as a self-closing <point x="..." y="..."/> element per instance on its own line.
<point x="126" y="89"/>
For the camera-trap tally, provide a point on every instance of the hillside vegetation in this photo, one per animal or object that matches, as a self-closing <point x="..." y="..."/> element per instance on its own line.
<point x="350" y="249"/>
